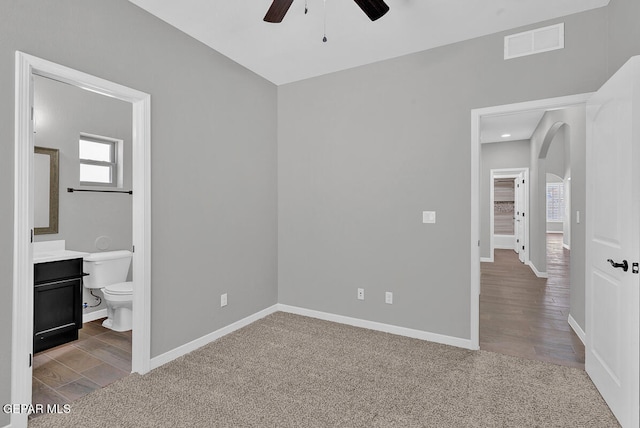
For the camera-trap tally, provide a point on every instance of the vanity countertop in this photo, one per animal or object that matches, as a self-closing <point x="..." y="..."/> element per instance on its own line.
<point x="54" y="251"/>
<point x="55" y="256"/>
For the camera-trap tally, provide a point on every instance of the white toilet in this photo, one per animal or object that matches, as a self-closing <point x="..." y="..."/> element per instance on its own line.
<point x="108" y="272"/>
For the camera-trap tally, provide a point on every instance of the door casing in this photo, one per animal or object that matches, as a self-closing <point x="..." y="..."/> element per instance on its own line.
<point x="476" y="115"/>
<point x="26" y="67"/>
<point x="507" y="173"/>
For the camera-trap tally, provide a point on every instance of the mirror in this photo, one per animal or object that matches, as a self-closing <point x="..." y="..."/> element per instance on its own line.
<point x="45" y="172"/>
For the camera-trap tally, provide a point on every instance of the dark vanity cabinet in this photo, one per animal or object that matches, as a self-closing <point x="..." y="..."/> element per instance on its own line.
<point x="57" y="303"/>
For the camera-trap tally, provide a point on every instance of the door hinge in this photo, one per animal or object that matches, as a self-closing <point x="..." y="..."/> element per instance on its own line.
<point x="478" y="242"/>
<point x="133" y="248"/>
<point x="30" y="360"/>
<point x="32" y="236"/>
<point x="634" y="268"/>
<point x="31" y="113"/>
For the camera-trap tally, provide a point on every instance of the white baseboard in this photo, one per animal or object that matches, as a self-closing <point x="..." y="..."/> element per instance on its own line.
<point x="162" y="359"/>
<point x="486" y="259"/>
<point x="372" y="325"/>
<point x="204" y="340"/>
<point x="96" y="315"/>
<point x="538" y="273"/>
<point x="576" y="328"/>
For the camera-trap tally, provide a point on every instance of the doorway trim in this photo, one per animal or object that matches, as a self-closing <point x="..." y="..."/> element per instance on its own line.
<point x="507" y="173"/>
<point x="476" y="115"/>
<point x="22" y="311"/>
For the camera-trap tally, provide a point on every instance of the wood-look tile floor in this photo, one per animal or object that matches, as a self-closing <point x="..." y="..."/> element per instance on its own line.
<point x="67" y="372"/>
<point x="526" y="316"/>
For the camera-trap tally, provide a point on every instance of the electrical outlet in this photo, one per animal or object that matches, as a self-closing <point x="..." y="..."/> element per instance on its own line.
<point x="360" y="293"/>
<point x="388" y="297"/>
<point x="223" y="300"/>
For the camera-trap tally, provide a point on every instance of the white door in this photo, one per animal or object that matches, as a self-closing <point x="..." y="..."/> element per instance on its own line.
<point x="612" y="239"/>
<point x="520" y="208"/>
<point x="516" y="205"/>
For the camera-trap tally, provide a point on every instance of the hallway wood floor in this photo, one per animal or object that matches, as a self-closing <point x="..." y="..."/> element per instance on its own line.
<point x="526" y="316"/>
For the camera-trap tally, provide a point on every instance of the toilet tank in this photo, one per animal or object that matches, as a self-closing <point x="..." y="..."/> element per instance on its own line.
<point x="106" y="268"/>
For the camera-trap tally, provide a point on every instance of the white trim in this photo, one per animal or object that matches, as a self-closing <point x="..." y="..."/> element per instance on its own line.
<point x="22" y="311"/>
<point x="204" y="340"/>
<point x="474" y="295"/>
<point x="486" y="259"/>
<point x="476" y="114"/>
<point x="372" y="325"/>
<point x="536" y="271"/>
<point x="577" y="329"/>
<point x="169" y="356"/>
<point x="566" y="246"/>
<point x="95" y="315"/>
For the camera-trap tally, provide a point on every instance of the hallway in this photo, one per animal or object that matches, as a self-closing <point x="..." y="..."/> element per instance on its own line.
<point x="526" y="316"/>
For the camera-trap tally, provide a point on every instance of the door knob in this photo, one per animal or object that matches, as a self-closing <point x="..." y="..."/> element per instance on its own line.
<point x="624" y="265"/>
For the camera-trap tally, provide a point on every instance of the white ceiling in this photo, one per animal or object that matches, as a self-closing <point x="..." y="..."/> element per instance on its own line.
<point x="519" y="126"/>
<point x="293" y="50"/>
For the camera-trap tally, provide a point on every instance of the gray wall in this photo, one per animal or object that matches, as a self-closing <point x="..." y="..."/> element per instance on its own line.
<point x="623" y="32"/>
<point x="213" y="160"/>
<point x="64" y="112"/>
<point x="508" y="154"/>
<point x="555" y="156"/>
<point x="362" y="152"/>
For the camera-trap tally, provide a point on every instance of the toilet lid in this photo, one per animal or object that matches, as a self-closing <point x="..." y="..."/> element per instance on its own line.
<point x="120" y="288"/>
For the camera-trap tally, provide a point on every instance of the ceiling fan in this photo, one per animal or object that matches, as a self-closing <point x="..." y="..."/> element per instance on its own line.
<point x="373" y="8"/>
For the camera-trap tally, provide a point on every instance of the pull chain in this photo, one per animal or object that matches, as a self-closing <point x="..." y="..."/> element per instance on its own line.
<point x="324" y="39"/>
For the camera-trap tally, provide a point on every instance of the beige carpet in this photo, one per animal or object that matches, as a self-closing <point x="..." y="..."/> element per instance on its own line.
<point x="291" y="371"/>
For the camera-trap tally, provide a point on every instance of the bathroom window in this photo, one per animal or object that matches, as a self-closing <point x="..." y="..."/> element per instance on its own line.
<point x="555" y="202"/>
<point x="99" y="157"/>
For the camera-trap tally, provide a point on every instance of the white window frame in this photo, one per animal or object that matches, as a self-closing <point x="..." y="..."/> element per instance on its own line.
<point x="560" y="186"/>
<point x="115" y="166"/>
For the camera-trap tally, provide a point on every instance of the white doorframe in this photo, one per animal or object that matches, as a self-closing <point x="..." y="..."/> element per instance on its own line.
<point x="22" y="311"/>
<point x="507" y="173"/>
<point x="476" y="115"/>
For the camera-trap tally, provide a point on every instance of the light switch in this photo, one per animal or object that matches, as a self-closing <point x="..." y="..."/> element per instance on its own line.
<point x="428" y="216"/>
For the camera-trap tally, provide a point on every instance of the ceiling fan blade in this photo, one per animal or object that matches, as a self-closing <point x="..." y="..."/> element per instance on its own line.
<point x="373" y="8"/>
<point x="277" y="11"/>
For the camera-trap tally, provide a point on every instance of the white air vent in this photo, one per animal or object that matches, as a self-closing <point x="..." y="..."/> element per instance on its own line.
<point x="535" y="41"/>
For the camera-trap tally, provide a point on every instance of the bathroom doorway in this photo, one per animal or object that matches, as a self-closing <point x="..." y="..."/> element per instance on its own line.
<point x="27" y="67"/>
<point x="91" y="136"/>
